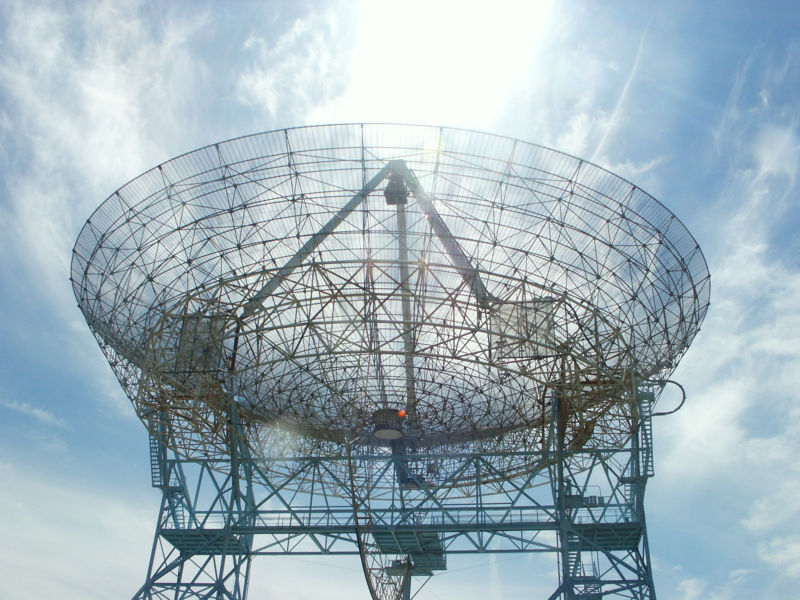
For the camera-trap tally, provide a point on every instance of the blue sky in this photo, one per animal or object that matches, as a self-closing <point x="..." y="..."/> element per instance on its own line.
<point x="696" y="102"/>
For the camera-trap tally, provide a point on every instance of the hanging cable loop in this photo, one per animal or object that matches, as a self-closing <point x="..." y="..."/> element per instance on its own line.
<point x="677" y="408"/>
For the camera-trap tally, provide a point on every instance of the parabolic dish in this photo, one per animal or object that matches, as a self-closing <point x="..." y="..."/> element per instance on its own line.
<point x="273" y="271"/>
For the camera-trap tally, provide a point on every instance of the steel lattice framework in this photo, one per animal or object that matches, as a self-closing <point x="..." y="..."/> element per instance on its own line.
<point x="270" y="304"/>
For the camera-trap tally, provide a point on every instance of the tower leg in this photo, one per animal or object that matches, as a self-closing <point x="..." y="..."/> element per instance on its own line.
<point x="599" y="499"/>
<point x="198" y="550"/>
<point x="178" y="571"/>
<point x="407" y="589"/>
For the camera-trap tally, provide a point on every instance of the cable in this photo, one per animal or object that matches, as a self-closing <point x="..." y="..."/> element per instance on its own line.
<point x="677" y="408"/>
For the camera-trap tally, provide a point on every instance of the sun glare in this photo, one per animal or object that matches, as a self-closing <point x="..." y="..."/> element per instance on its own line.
<point x="444" y="62"/>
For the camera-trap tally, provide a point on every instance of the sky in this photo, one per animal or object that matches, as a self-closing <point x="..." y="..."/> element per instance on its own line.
<point x="696" y="102"/>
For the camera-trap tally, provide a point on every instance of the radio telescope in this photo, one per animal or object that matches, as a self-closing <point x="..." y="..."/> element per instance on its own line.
<point x="397" y="341"/>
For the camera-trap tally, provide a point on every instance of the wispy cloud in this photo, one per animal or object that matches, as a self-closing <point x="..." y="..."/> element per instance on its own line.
<point x="763" y="517"/>
<point x="39" y="426"/>
<point x="301" y="67"/>
<point x="615" y="114"/>
<point x="734" y="586"/>
<point x="753" y="316"/>
<point x="92" y="95"/>
<point x="39" y="414"/>
<point x="78" y="114"/>
<point x="776" y="152"/>
<point x="84" y="539"/>
<point x="738" y="435"/>
<point x="637" y="172"/>
<point x="782" y="554"/>
<point x="734" y="105"/>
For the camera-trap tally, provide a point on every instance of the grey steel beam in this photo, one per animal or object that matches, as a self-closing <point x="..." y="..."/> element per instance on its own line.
<point x="460" y="259"/>
<point x="256" y="302"/>
<point x="405" y="300"/>
<point x="395" y="529"/>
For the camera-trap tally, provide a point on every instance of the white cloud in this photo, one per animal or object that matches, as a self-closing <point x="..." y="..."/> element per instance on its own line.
<point x="750" y="361"/>
<point x="642" y="173"/>
<point x="304" y="66"/>
<point x="40" y="414"/>
<point x="86" y="116"/>
<point x="782" y="554"/>
<point x="616" y="114"/>
<point x="692" y="588"/>
<point x="764" y="514"/>
<point x="734" y="446"/>
<point x="733" y="586"/>
<point x="725" y="128"/>
<point x="777" y="152"/>
<point x="41" y="427"/>
<point x="92" y="94"/>
<point x="64" y="541"/>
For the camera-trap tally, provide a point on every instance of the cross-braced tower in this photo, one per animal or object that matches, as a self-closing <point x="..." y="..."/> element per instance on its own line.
<point x="399" y="342"/>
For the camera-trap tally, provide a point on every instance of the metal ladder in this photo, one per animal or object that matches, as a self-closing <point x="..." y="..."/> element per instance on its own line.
<point x="646" y="433"/>
<point x="587" y="586"/>
<point x="159" y="479"/>
<point x="156" y="462"/>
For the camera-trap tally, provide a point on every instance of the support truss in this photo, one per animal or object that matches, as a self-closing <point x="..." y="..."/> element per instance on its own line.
<point x="586" y="507"/>
<point x="202" y="546"/>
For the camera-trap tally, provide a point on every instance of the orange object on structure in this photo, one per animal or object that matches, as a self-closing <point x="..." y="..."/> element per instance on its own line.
<point x="401" y="413"/>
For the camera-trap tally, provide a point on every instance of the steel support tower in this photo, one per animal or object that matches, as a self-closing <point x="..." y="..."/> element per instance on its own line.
<point x="585" y="506"/>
